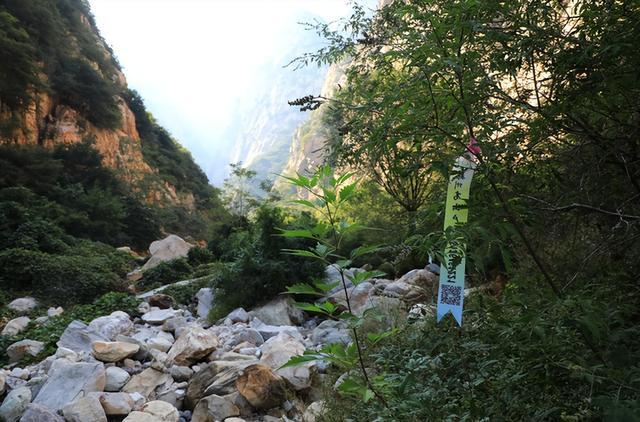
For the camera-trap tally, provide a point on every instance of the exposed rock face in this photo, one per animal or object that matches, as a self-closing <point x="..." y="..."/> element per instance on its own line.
<point x="68" y="381"/>
<point x="15" y="404"/>
<point x="205" y="301"/>
<point x="214" y="408"/>
<point x="194" y="343"/>
<point x="156" y="411"/>
<point x="112" y="325"/>
<point x="38" y="413"/>
<point x="277" y="351"/>
<point x="146" y="382"/>
<point x="113" y="351"/>
<point x="78" y="337"/>
<point x="261" y="387"/>
<point x="116" y="378"/>
<point x="280" y="311"/>
<point x="84" y="409"/>
<point x="171" y="247"/>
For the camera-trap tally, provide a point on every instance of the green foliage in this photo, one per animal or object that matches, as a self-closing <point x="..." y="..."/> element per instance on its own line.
<point x="198" y="256"/>
<point x="237" y="191"/>
<point x="85" y="90"/>
<point x="17" y="69"/>
<point x="68" y="187"/>
<point x="166" y="272"/>
<point x="50" y="332"/>
<point x="77" y="277"/>
<point x="38" y="35"/>
<point x="185" y="294"/>
<point x="260" y="270"/>
<point x="520" y="358"/>
<point x="331" y="194"/>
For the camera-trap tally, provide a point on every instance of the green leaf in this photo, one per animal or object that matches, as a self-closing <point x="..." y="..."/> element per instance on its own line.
<point x="301" y="252"/>
<point x="303" y="289"/>
<point x="329" y="195"/>
<point x="326" y="287"/>
<point x="347" y="192"/>
<point x="305" y="203"/>
<point x="344" y="263"/>
<point x="364" y="250"/>
<point x="300" y="360"/>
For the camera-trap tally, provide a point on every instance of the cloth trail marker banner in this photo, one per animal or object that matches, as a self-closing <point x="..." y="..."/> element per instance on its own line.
<point x="451" y="288"/>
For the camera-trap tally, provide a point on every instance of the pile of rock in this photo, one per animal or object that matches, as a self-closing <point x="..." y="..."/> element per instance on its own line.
<point x="168" y="365"/>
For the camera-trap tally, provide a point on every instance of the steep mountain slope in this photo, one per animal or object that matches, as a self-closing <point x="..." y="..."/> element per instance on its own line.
<point x="61" y="85"/>
<point x="263" y="128"/>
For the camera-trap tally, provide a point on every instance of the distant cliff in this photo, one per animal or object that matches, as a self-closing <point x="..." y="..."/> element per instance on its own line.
<point x="61" y="85"/>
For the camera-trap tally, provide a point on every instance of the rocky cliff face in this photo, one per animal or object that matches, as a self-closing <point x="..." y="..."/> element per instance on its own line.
<point x="308" y="146"/>
<point x="48" y="115"/>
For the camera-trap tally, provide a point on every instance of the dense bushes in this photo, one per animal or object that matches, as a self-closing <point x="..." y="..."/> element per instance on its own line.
<point x="77" y="277"/>
<point x="69" y="188"/>
<point x="518" y="358"/>
<point x="37" y="35"/>
<point x="261" y="270"/>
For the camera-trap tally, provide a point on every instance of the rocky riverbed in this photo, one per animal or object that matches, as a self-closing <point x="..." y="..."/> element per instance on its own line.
<point x="169" y="365"/>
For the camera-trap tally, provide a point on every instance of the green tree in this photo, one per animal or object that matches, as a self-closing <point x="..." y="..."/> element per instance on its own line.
<point x="237" y="190"/>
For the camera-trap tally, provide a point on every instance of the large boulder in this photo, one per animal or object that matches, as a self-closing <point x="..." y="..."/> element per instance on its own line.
<point x="205" y="301"/>
<point x="421" y="278"/>
<point x="16" y="326"/>
<point x="79" y="337"/>
<point x="68" y="381"/>
<point x="160" y="300"/>
<point x="329" y="332"/>
<point x="261" y="387"/>
<point x="115" y="404"/>
<point x="171" y="247"/>
<point x="15" y="404"/>
<point x="218" y="377"/>
<point x="22" y="348"/>
<point x="113" y="351"/>
<point x="214" y="408"/>
<point x="359" y="297"/>
<point x="116" y="378"/>
<point x="279" y="311"/>
<point x="154" y="411"/>
<point x="159" y="316"/>
<point x="23" y="305"/>
<point x="267" y="331"/>
<point x="39" y="413"/>
<point x="111" y="326"/>
<point x="146" y="382"/>
<point x="192" y="345"/>
<point x="238" y="315"/>
<point x="84" y="409"/>
<point x="277" y="351"/>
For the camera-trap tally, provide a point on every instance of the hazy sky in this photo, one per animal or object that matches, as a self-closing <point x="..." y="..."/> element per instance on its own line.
<point x="192" y="60"/>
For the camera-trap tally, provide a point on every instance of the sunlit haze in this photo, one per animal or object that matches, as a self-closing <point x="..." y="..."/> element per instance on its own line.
<point x="193" y="61"/>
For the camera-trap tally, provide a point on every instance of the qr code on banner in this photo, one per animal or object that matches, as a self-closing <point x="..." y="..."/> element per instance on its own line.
<point x="451" y="295"/>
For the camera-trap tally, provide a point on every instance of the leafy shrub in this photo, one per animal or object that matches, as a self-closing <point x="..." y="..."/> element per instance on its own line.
<point x="521" y="358"/>
<point x="198" y="256"/>
<point x="60" y="279"/>
<point x="185" y="294"/>
<point x="261" y="271"/>
<point x="166" y="273"/>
